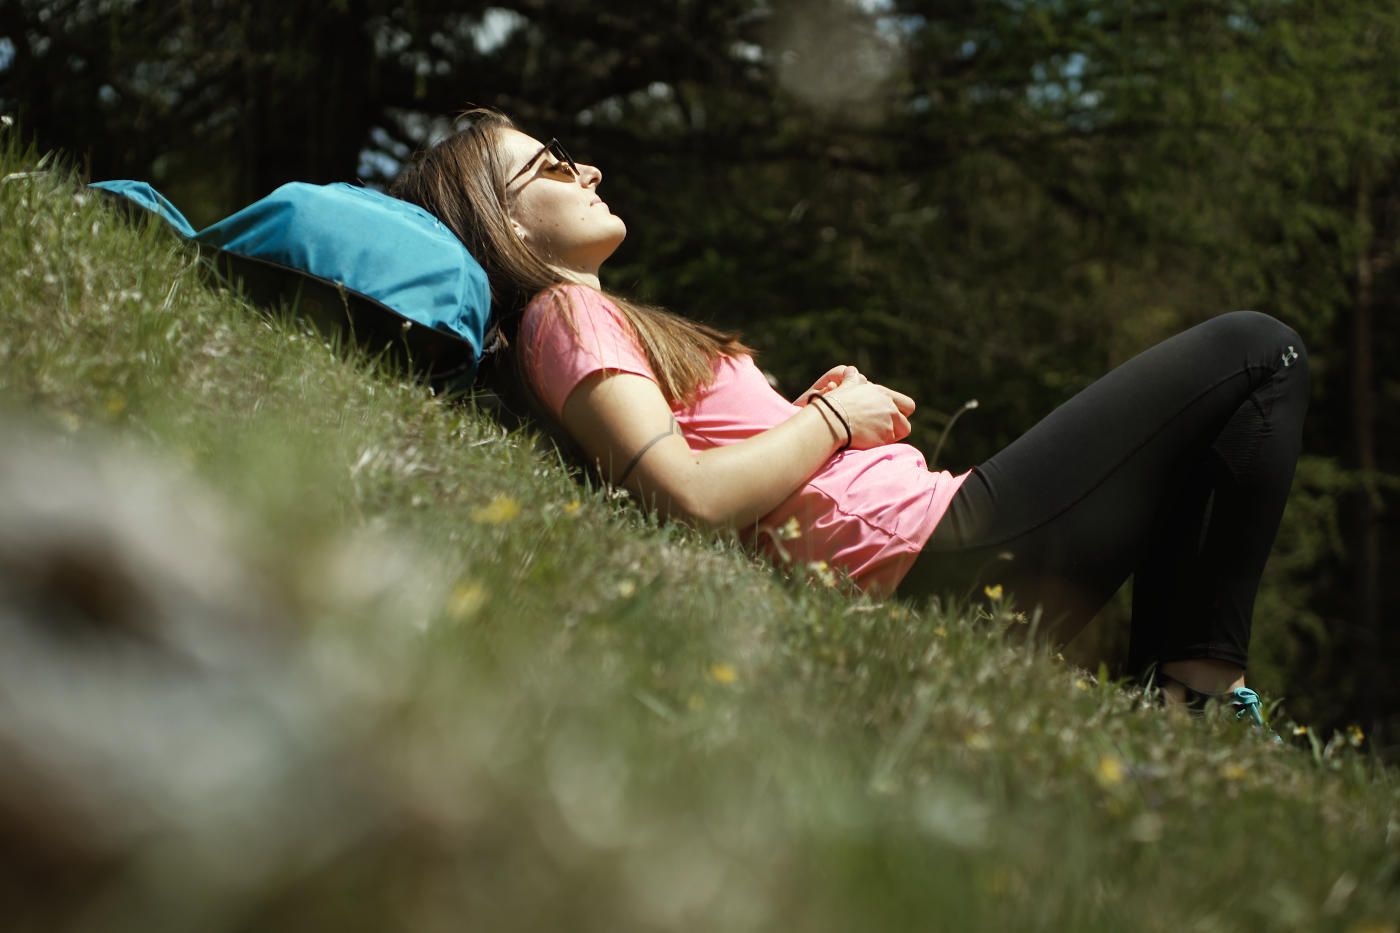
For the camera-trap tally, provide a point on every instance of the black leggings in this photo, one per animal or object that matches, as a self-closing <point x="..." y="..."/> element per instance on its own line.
<point x="1174" y="468"/>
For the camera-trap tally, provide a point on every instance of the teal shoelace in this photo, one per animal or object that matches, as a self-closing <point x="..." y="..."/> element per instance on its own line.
<point x="1245" y="703"/>
<point x="1247" y="706"/>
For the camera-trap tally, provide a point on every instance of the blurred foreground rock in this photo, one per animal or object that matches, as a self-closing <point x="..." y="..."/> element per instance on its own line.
<point x="166" y="763"/>
<point x="186" y="746"/>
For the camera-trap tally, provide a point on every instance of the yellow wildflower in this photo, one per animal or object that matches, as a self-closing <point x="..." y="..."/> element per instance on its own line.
<point x="1110" y="771"/>
<point x="790" y="530"/>
<point x="466" y="600"/>
<point x="1300" y="730"/>
<point x="1233" y="771"/>
<point x="1354" y="734"/>
<point x="977" y="741"/>
<point x="116" y="404"/>
<point x="823" y="572"/>
<point x="994" y="592"/>
<point x="572" y="507"/>
<point x="941" y="631"/>
<point x="499" y="511"/>
<point x="722" y="673"/>
<point x="625" y="588"/>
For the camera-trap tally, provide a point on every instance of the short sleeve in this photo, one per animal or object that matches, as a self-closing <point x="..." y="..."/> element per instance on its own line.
<point x="569" y="333"/>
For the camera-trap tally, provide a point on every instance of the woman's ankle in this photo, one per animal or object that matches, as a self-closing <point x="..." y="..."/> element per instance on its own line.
<point x="1203" y="675"/>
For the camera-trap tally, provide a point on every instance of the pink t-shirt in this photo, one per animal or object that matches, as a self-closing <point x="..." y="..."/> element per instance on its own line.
<point x="866" y="512"/>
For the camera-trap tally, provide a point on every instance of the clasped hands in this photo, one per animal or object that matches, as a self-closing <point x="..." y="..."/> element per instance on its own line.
<point x="877" y="415"/>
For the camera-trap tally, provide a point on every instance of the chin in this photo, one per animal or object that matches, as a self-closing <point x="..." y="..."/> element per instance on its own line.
<point x="612" y="243"/>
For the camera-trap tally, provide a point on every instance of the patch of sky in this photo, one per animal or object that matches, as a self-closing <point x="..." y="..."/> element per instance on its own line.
<point x="425" y="128"/>
<point x="609" y="110"/>
<point x="664" y="111"/>
<point x="376" y="168"/>
<point x="375" y="165"/>
<point x="746" y="51"/>
<point x="889" y="23"/>
<point x="7" y="53"/>
<point x="1059" y="80"/>
<point x="487" y="33"/>
<point x="382" y="159"/>
<point x="389" y="38"/>
<point x="495" y="29"/>
<point x="385" y="143"/>
<point x="1242" y="22"/>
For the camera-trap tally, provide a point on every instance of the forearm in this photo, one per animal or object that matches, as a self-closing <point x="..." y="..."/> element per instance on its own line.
<point x="736" y="485"/>
<point x="613" y="417"/>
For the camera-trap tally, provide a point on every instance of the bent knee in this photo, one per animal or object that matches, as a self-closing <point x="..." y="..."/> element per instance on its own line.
<point x="1255" y="331"/>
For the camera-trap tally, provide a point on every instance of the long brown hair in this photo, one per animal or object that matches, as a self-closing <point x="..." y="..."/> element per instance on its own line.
<point x="461" y="181"/>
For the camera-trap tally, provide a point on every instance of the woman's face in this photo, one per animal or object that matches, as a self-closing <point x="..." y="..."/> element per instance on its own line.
<point x="557" y="214"/>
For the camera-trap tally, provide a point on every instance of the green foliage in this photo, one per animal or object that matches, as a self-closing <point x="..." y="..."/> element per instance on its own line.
<point x="494" y="698"/>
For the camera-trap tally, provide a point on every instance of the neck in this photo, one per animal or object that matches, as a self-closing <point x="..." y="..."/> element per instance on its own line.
<point x="587" y="277"/>
<point x="584" y="278"/>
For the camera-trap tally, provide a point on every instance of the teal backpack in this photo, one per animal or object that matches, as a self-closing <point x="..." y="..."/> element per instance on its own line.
<point x="354" y="261"/>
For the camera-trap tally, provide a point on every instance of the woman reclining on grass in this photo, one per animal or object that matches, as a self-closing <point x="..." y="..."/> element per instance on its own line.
<point x="1174" y="467"/>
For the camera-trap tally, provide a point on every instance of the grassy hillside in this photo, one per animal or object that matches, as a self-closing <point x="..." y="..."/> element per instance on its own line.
<point x="288" y="642"/>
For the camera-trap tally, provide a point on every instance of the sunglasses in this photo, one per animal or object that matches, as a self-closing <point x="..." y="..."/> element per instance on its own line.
<point x="555" y="149"/>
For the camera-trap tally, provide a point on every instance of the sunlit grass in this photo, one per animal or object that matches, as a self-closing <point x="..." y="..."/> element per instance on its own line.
<point x="461" y="689"/>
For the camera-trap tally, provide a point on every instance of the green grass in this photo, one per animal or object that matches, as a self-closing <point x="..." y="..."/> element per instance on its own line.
<point x="431" y="682"/>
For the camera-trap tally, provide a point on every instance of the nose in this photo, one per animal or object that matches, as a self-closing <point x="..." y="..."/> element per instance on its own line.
<point x="590" y="176"/>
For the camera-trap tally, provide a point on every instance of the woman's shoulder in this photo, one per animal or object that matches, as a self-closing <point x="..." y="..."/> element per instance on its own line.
<point x="572" y="318"/>
<point x="570" y="311"/>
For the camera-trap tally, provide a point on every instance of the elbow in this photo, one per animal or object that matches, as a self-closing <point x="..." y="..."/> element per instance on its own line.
<point x="700" y="514"/>
<point x="690" y="496"/>
<point x="700" y="510"/>
<point x="679" y="505"/>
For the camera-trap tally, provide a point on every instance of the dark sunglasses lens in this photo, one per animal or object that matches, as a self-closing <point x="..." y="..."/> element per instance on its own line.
<point x="562" y="154"/>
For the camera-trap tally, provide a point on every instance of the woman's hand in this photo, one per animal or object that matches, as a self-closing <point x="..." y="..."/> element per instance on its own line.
<point x="877" y="415"/>
<point x="830" y="380"/>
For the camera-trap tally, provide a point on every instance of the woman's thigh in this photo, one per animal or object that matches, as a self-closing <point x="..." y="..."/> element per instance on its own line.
<point x="1064" y="513"/>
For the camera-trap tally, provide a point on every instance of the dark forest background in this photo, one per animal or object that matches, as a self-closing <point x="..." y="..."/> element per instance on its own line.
<point x="989" y="200"/>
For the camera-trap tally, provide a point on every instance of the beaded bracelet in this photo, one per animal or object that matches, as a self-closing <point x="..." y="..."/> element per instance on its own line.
<point x="818" y="397"/>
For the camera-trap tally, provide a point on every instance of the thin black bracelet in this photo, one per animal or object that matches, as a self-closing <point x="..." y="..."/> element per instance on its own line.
<point x="818" y="397"/>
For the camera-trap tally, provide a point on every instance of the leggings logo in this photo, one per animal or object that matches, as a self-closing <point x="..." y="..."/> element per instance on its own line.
<point x="1289" y="356"/>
